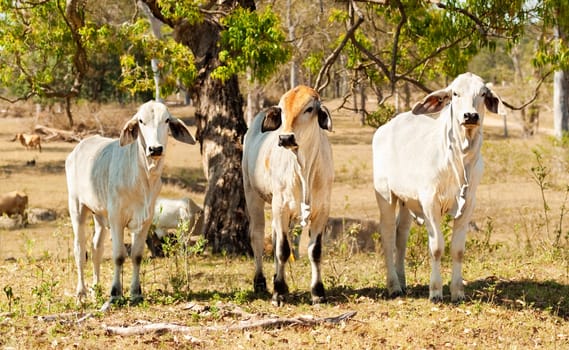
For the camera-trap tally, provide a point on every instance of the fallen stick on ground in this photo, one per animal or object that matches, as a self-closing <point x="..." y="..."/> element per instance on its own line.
<point x="70" y="317"/>
<point x="243" y="325"/>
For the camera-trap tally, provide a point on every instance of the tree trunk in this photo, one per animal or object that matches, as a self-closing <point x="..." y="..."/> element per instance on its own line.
<point x="560" y="103"/>
<point x="292" y="39"/>
<point x="560" y="95"/>
<point x="220" y="130"/>
<point x="221" y="127"/>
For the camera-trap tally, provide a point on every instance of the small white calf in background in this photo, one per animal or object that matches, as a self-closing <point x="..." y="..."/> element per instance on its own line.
<point x="169" y="213"/>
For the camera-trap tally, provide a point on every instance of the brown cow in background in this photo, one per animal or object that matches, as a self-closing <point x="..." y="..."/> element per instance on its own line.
<point x="12" y="203"/>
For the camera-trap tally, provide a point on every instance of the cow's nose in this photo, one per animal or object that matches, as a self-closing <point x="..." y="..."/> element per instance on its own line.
<point x="155" y="151"/>
<point x="471" y="118"/>
<point x="287" y="141"/>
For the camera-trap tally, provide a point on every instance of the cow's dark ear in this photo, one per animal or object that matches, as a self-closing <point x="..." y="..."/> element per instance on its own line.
<point x="129" y="132"/>
<point x="180" y="131"/>
<point x="491" y="101"/>
<point x="272" y="119"/>
<point x="324" y="119"/>
<point x="433" y="103"/>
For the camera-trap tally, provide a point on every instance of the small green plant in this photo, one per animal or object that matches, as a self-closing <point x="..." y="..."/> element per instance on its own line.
<point x="44" y="293"/>
<point x="562" y="211"/>
<point x="540" y="174"/>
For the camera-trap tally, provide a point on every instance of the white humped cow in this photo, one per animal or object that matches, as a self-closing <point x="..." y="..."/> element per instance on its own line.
<point x="118" y="182"/>
<point x="170" y="212"/>
<point x="287" y="161"/>
<point x="429" y="168"/>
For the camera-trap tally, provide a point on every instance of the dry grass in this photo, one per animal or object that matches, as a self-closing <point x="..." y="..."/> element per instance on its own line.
<point x="517" y="279"/>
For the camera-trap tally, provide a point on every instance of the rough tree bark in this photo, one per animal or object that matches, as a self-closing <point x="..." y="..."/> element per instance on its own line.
<point x="220" y="130"/>
<point x="560" y="93"/>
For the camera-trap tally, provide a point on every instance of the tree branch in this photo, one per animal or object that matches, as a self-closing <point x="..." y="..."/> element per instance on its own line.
<point x="533" y="98"/>
<point x="334" y="55"/>
<point x="395" y="48"/>
<point x="241" y="326"/>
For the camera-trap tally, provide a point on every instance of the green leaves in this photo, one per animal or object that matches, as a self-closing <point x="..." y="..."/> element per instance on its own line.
<point x="176" y="61"/>
<point x="251" y="40"/>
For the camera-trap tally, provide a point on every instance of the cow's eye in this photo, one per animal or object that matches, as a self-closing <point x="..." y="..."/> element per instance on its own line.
<point x="309" y="110"/>
<point x="167" y="120"/>
<point x="484" y="94"/>
<point x="140" y="121"/>
<point x="455" y="94"/>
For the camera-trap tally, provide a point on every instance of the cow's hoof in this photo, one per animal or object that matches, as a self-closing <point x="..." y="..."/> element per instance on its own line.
<point x="316" y="300"/>
<point x="437" y="299"/>
<point x="280" y="287"/>
<point x="135" y="300"/>
<point x="114" y="300"/>
<point x="459" y="299"/>
<point x="318" y="294"/>
<point x="396" y="294"/>
<point x="278" y="300"/>
<point x="260" y="285"/>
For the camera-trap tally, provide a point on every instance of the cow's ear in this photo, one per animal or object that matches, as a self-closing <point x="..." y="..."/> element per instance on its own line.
<point x="272" y="119"/>
<point x="129" y="132"/>
<point x="491" y="101"/>
<point x="433" y="103"/>
<point x="324" y="119"/>
<point x="180" y="131"/>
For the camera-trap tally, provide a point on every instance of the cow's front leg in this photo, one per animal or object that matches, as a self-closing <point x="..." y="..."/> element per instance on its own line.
<point x="282" y="253"/>
<point x="136" y="254"/>
<point x="457" y="253"/>
<point x="436" y="248"/>
<point x="119" y="256"/>
<point x="315" y="255"/>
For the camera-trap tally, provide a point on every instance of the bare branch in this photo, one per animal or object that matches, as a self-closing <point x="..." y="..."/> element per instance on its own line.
<point x="533" y="98"/>
<point x="243" y="325"/>
<point x="395" y="49"/>
<point x="334" y="55"/>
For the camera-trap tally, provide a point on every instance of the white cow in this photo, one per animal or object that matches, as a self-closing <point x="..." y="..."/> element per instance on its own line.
<point x="169" y="212"/>
<point x="118" y="181"/>
<point x="287" y="161"/>
<point x="428" y="168"/>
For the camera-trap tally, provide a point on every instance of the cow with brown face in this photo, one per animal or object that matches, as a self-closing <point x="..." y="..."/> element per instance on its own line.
<point x="287" y="162"/>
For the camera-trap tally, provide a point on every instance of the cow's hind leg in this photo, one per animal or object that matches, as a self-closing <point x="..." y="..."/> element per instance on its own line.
<point x="98" y="246"/>
<point x="78" y="215"/>
<point x="256" y="210"/>
<point x="387" y="228"/>
<point x="404" y="221"/>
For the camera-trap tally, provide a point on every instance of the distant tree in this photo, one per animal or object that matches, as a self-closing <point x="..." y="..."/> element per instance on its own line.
<point x="393" y="43"/>
<point x="30" y="64"/>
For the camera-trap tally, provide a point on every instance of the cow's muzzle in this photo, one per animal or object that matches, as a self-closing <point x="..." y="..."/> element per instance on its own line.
<point x="287" y="141"/>
<point x="471" y="119"/>
<point x="155" y="151"/>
